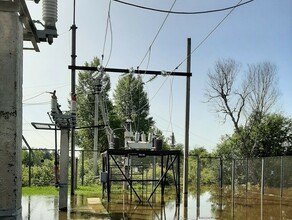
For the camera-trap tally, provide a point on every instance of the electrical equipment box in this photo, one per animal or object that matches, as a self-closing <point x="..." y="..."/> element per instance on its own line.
<point x="103" y="177"/>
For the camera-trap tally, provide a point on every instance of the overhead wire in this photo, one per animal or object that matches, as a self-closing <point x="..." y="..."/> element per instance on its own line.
<point x="154" y="94"/>
<point x="181" y="129"/>
<point x="34" y="96"/>
<point x="38" y="132"/>
<point x="108" y="25"/>
<point x="137" y="87"/>
<point x="148" y="52"/>
<point x="37" y="103"/>
<point x="182" y="12"/>
<point x="158" y="32"/>
<point x="149" y="55"/>
<point x="207" y="36"/>
<point x="212" y="31"/>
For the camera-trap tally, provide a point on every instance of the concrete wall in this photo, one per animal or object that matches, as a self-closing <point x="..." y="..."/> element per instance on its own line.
<point x="11" y="58"/>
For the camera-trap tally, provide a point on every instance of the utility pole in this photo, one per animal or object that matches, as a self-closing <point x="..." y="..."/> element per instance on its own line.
<point x="187" y="125"/>
<point x="73" y="72"/>
<point x="97" y="89"/>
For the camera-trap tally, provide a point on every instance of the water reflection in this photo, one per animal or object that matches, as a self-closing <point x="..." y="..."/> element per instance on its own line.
<point x="212" y="206"/>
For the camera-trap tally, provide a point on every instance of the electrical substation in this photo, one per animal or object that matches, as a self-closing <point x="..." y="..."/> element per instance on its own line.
<point x="118" y="165"/>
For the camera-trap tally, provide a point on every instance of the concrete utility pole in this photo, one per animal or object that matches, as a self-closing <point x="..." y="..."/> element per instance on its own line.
<point x="11" y="54"/>
<point x="187" y="126"/>
<point x="64" y="161"/>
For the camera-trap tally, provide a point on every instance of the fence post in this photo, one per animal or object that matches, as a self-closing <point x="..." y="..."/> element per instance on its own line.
<point x="82" y="169"/>
<point x="178" y="177"/>
<point x="246" y="181"/>
<point x="198" y="185"/>
<point x="220" y="181"/>
<point x="76" y="173"/>
<point x="246" y="177"/>
<point x="233" y="184"/>
<point x="282" y="177"/>
<point x="263" y="177"/>
<point x="108" y="185"/>
<point x="162" y="182"/>
<point x="29" y="168"/>
<point x="262" y="186"/>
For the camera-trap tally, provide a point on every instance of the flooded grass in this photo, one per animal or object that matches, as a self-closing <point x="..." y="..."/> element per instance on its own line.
<point x="86" y="204"/>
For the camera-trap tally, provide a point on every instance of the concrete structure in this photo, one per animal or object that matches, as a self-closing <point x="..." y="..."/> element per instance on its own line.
<point x="11" y="45"/>
<point x="64" y="162"/>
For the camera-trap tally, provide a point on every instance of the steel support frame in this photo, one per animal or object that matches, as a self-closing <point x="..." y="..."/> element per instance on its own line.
<point x="172" y="157"/>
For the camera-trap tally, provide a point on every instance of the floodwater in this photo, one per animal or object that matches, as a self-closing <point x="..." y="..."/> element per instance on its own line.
<point x="210" y="206"/>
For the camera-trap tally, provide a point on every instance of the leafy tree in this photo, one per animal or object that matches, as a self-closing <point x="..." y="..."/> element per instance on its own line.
<point x="272" y="136"/>
<point x="246" y="102"/>
<point x="131" y="102"/>
<point x="228" y="147"/>
<point x="86" y="88"/>
<point x="200" y="151"/>
<point x="37" y="156"/>
<point x="209" y="166"/>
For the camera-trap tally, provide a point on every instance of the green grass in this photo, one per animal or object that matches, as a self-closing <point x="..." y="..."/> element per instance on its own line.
<point x="88" y="190"/>
<point x="40" y="190"/>
<point x="51" y="190"/>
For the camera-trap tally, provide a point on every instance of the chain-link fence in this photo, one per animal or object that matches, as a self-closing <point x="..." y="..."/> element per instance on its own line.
<point x="241" y="181"/>
<point x="270" y="175"/>
<point x="234" y="184"/>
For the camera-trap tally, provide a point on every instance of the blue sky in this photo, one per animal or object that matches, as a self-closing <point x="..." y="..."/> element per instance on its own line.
<point x="256" y="32"/>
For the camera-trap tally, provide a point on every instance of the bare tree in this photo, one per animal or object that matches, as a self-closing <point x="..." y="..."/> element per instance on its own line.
<point x="221" y="91"/>
<point x="244" y="102"/>
<point x="263" y="88"/>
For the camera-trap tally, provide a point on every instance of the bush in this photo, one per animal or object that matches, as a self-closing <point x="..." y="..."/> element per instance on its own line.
<point x="42" y="175"/>
<point x="25" y="177"/>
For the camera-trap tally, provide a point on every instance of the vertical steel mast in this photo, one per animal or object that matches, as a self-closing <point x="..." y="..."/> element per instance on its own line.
<point x="187" y="125"/>
<point x="73" y="72"/>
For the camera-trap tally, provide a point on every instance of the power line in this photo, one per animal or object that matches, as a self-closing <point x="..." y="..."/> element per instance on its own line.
<point x="108" y="24"/>
<point x="183" y="12"/>
<point x="158" y="32"/>
<point x="34" y="96"/>
<point x="36" y="103"/>
<point x="208" y="35"/>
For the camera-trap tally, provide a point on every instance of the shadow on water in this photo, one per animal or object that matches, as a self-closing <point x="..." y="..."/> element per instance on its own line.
<point x="212" y="206"/>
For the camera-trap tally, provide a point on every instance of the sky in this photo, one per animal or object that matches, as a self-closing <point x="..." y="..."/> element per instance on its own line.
<point x="253" y="33"/>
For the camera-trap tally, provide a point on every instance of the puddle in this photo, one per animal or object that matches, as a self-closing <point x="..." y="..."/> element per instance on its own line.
<point x="121" y="207"/>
